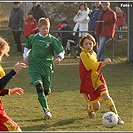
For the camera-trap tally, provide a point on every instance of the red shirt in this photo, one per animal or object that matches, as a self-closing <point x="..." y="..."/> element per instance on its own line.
<point x="30" y="26"/>
<point x="90" y="76"/>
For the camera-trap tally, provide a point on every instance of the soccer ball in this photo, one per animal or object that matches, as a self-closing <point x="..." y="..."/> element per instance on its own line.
<point x="109" y="119"/>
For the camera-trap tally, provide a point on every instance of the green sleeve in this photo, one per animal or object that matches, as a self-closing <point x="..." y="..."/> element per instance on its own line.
<point x="57" y="45"/>
<point x="29" y="41"/>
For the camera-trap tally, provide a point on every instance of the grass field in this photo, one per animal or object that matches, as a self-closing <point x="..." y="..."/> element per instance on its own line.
<point x="66" y="103"/>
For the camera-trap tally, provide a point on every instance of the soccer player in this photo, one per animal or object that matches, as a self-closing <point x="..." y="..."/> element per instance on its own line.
<point x="39" y="54"/>
<point x="93" y="84"/>
<point x="6" y="123"/>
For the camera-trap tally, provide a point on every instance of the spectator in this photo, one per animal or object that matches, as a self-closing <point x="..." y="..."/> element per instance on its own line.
<point x="38" y="12"/>
<point x="81" y="19"/>
<point x="105" y="28"/>
<point x="94" y="12"/>
<point x="16" y="23"/>
<point x="59" y="27"/>
<point x="67" y="38"/>
<point x="30" y="25"/>
<point x="120" y="21"/>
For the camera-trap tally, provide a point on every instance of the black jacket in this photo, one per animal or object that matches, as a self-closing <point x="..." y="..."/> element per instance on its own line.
<point x="16" y="19"/>
<point x="38" y="12"/>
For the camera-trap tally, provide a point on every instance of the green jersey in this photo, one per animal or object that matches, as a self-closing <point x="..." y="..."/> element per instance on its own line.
<point x="42" y="53"/>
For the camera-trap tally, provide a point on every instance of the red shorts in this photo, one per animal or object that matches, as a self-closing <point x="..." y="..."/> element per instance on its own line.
<point x="96" y="95"/>
<point x="6" y="123"/>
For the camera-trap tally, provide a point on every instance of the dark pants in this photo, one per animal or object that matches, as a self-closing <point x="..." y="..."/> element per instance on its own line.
<point x="79" y="49"/>
<point x="16" y="35"/>
<point x="96" y="39"/>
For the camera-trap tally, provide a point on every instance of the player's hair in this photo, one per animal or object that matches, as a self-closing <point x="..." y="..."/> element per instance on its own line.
<point x="88" y="36"/>
<point x="4" y="48"/>
<point x="43" y="21"/>
<point x="106" y="2"/>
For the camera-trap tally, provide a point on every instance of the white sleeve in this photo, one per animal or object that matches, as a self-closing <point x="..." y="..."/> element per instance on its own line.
<point x="83" y="18"/>
<point x="26" y="52"/>
<point x="61" y="55"/>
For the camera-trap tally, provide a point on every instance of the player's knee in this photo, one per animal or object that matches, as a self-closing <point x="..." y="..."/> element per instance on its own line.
<point x="105" y="97"/>
<point x="96" y="106"/>
<point x="39" y="88"/>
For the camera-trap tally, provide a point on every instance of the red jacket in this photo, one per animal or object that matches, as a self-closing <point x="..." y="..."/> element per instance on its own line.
<point x="109" y="24"/>
<point x="30" y="26"/>
<point x="120" y="19"/>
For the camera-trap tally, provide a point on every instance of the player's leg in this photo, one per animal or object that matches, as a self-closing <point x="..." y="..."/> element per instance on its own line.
<point x="93" y="104"/>
<point x="7" y="124"/>
<point x="92" y="108"/>
<point x="110" y="104"/>
<point x="47" y="90"/>
<point x="43" y="101"/>
<point x="37" y="80"/>
<point x="42" y="97"/>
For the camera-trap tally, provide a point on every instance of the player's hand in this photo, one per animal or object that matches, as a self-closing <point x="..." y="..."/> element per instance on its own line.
<point x="108" y="60"/>
<point x="18" y="91"/>
<point x="57" y="61"/>
<point x="25" y="61"/>
<point x="18" y="66"/>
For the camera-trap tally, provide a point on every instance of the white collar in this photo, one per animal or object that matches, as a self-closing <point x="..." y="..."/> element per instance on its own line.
<point x="42" y="35"/>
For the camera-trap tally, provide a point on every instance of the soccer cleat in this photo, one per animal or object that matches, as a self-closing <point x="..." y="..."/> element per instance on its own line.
<point x="47" y="115"/>
<point x="91" y="114"/>
<point x="121" y="122"/>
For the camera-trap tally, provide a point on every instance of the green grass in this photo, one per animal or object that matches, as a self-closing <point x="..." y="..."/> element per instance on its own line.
<point x="65" y="101"/>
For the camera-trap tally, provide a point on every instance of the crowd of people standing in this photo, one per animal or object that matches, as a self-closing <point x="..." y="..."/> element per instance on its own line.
<point x="93" y="20"/>
<point x="100" y="21"/>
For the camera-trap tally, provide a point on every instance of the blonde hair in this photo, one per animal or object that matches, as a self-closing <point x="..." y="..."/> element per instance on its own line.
<point x="43" y="21"/>
<point x="106" y="2"/>
<point x="87" y="36"/>
<point x="4" y="48"/>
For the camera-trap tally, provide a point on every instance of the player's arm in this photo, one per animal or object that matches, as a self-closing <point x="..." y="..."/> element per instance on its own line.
<point x="89" y="62"/>
<point x="58" y="49"/>
<point x="105" y="62"/>
<point x="27" y="48"/>
<point x="4" y="80"/>
<point x="25" y="55"/>
<point x="59" y="58"/>
<point x="5" y="91"/>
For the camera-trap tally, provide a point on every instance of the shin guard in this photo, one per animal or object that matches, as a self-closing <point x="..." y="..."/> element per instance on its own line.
<point x="111" y="105"/>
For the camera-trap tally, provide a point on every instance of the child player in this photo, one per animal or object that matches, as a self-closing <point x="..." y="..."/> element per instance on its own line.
<point x="39" y="54"/>
<point x="93" y="84"/>
<point x="6" y="123"/>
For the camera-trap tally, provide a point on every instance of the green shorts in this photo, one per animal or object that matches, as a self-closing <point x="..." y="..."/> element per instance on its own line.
<point x="38" y="79"/>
